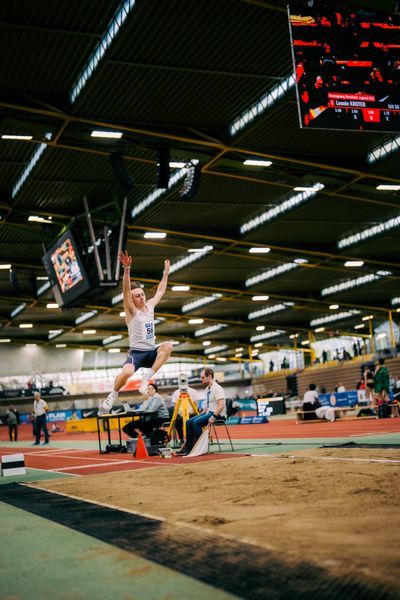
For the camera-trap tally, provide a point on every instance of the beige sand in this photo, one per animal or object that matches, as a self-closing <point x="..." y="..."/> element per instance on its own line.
<point x="341" y="514"/>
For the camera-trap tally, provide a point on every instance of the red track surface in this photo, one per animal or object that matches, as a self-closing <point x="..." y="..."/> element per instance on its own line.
<point x="87" y="462"/>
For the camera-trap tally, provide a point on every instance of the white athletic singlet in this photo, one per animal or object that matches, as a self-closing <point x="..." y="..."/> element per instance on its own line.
<point x="141" y="330"/>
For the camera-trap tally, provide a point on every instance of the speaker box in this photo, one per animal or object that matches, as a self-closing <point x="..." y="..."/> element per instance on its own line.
<point x="163" y="168"/>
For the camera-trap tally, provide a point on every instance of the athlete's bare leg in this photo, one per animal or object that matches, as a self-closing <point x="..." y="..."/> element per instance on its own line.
<point x="163" y="353"/>
<point x="120" y="381"/>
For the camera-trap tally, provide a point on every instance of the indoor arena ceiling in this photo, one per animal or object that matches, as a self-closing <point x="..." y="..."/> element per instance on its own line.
<point x="176" y="76"/>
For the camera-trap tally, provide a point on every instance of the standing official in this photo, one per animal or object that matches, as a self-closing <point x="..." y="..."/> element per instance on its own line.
<point x="40" y="409"/>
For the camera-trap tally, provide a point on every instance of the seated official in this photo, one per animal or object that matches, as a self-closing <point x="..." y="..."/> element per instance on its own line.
<point x="152" y="413"/>
<point x="311" y="403"/>
<point x="179" y="421"/>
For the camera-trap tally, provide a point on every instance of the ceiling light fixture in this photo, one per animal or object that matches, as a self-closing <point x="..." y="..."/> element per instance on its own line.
<point x="206" y="343"/>
<point x="204" y="248"/>
<point x="335" y="317"/>
<point x="18" y="309"/>
<point x="5" y="266"/>
<point x="333" y="306"/>
<point x="25" y="325"/>
<point x="352" y="283"/>
<point x="388" y="187"/>
<point x="257" y="163"/>
<point x="156" y="193"/>
<point x="395" y="301"/>
<point x="266" y="335"/>
<point x="365" y="234"/>
<point x="30" y="166"/>
<point x="43" y="288"/>
<point x="116" y="135"/>
<point x="215" y="349"/>
<point x="259" y="298"/>
<point x="270" y="273"/>
<point x="11" y="136"/>
<point x="52" y="305"/>
<point x="319" y="329"/>
<point x="195" y="321"/>
<point x="187" y="260"/>
<point x="259" y="250"/>
<point x="113" y="350"/>
<point x="360" y="326"/>
<point x="104" y="43"/>
<point x="264" y="103"/>
<point x="89" y="331"/>
<point x="260" y="327"/>
<point x="384" y="150"/>
<point x="61" y="345"/>
<point x="155" y="235"/>
<point x="283" y="207"/>
<point x="5" y="340"/>
<point x="269" y="310"/>
<point x="200" y="302"/>
<point x="367" y="318"/>
<point x="180" y="288"/>
<point x="111" y="339"/>
<point x="37" y="219"/>
<point x="381" y="335"/>
<point x="354" y="263"/>
<point x="55" y="333"/>
<point x="210" y="329"/>
<point x="85" y="316"/>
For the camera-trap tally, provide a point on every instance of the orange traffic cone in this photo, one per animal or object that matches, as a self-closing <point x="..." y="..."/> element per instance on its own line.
<point x="141" y="450"/>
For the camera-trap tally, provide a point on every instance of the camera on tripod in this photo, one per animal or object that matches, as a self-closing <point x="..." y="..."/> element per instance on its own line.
<point x="183" y="382"/>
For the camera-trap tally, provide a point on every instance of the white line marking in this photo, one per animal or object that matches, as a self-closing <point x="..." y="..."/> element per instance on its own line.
<point x="121" y="462"/>
<point x="377" y="460"/>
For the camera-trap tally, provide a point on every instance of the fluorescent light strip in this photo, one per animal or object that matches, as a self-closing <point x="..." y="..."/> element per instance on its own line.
<point x="155" y="235"/>
<point x="5" y="266"/>
<point x="43" y="288"/>
<point x="351" y="283"/>
<point x="85" y="316"/>
<point x="18" y="309"/>
<point x="187" y="260"/>
<point x="30" y="166"/>
<point x="112" y="30"/>
<point x="111" y="339"/>
<point x="270" y="273"/>
<point x="257" y="163"/>
<point x="114" y="135"/>
<point x="36" y="219"/>
<point x="388" y="187"/>
<point x="180" y="288"/>
<point x="263" y="104"/>
<point x="365" y="234"/>
<point x="283" y="207"/>
<point x="200" y="302"/>
<point x="214" y="349"/>
<point x="5" y="341"/>
<point x="118" y="298"/>
<point x="155" y="194"/>
<point x="210" y="329"/>
<point x="354" y="263"/>
<point x="395" y="301"/>
<point x="334" y="317"/>
<point x="269" y="310"/>
<point x="55" y="333"/>
<point x="7" y="136"/>
<point x="384" y="150"/>
<point x="208" y="248"/>
<point x="259" y="250"/>
<point x="268" y="334"/>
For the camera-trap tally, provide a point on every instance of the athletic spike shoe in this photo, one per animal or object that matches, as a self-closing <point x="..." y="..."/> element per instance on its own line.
<point x="109" y="401"/>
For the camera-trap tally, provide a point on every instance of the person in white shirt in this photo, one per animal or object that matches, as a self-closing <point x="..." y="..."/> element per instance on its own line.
<point x="40" y="408"/>
<point x="311" y="402"/>
<point x="213" y="408"/>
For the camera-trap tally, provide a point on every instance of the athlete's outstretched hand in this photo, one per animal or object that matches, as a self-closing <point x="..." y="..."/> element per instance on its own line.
<point x="125" y="259"/>
<point x="167" y="266"/>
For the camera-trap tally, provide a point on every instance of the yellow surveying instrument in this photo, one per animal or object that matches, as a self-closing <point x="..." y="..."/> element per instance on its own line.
<point x="182" y="405"/>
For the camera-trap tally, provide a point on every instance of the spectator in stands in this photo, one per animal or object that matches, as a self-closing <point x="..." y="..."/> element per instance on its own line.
<point x="271" y="365"/>
<point x="311" y="403"/>
<point x="382" y="387"/>
<point x="340" y="388"/>
<point x="324" y="356"/>
<point x="13" y="421"/>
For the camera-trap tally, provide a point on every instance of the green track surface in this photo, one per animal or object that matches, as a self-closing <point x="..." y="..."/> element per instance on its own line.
<point x="43" y="559"/>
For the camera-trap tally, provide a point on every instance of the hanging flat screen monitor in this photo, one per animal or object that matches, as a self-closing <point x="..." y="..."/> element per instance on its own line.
<point x="64" y="266"/>
<point x="347" y="69"/>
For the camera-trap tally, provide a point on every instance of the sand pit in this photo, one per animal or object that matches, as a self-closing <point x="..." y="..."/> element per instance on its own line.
<point x="340" y="514"/>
